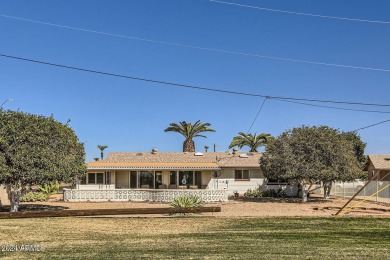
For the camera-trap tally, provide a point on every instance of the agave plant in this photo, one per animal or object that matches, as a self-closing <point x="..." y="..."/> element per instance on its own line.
<point x="50" y="188"/>
<point x="186" y="202"/>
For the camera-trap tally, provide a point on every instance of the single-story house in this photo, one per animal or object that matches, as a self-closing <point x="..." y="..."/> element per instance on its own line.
<point x="378" y="163"/>
<point x="160" y="176"/>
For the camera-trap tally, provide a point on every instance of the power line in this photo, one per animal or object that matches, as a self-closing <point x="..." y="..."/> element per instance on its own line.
<point x="299" y="13"/>
<point x="338" y="108"/>
<point x="5" y="101"/>
<point x="258" y="112"/>
<point x="382" y="122"/>
<point x="201" y="48"/>
<point x="188" y="86"/>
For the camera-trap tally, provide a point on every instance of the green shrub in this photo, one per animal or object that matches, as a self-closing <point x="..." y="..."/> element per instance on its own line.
<point x="34" y="196"/>
<point x="253" y="193"/>
<point x="50" y="188"/>
<point x="280" y="193"/>
<point x="186" y="201"/>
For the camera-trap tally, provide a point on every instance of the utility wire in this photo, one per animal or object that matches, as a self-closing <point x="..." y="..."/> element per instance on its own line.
<point x="299" y="13"/>
<point x="330" y="107"/>
<point x="5" y="101"/>
<point x="258" y="112"/>
<point x="188" y="86"/>
<point x="382" y="122"/>
<point x="201" y="48"/>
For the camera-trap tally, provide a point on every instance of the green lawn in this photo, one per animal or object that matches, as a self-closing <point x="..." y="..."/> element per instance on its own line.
<point x="194" y="238"/>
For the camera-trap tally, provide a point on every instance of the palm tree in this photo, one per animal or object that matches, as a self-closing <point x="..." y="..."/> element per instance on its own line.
<point x="253" y="141"/>
<point x="102" y="147"/>
<point x="96" y="159"/>
<point x="189" y="131"/>
<point x="206" y="148"/>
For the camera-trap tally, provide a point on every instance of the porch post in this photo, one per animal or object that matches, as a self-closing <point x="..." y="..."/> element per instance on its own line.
<point x="154" y="179"/>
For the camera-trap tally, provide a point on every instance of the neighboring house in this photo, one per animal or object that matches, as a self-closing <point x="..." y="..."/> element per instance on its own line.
<point x="378" y="163"/>
<point x="159" y="176"/>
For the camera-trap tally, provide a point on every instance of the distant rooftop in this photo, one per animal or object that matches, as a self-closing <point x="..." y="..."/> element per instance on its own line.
<point x="379" y="161"/>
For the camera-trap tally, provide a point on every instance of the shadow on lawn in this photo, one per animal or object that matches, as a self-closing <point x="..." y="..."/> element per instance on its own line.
<point x="279" y="200"/>
<point x="33" y="207"/>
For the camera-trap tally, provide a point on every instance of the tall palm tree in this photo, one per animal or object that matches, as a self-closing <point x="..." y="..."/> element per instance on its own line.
<point x="102" y="147"/>
<point x="189" y="131"/>
<point x="253" y="141"/>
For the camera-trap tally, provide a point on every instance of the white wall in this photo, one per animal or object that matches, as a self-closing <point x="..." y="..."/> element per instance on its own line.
<point x="227" y="181"/>
<point x="206" y="178"/>
<point x="165" y="178"/>
<point x="122" y="179"/>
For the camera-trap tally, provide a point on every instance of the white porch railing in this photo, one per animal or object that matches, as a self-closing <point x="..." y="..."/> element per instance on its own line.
<point x="142" y="195"/>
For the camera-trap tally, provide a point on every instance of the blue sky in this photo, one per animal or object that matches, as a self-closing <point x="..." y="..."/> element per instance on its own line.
<point x="130" y="115"/>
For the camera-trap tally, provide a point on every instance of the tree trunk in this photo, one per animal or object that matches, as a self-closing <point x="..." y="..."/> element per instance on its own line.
<point x="101" y="155"/>
<point x="14" y="198"/>
<point x="327" y="187"/>
<point x="304" y="192"/>
<point x="188" y="145"/>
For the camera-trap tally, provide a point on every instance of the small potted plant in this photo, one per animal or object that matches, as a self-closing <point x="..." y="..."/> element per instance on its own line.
<point x="236" y="194"/>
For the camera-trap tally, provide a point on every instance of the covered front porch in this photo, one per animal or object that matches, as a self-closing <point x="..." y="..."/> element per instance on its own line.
<point x="146" y="179"/>
<point x="151" y="181"/>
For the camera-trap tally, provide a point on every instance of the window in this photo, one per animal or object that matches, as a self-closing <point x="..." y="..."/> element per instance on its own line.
<point x="99" y="178"/>
<point x="91" y="178"/>
<point x="146" y="179"/>
<point x="158" y="178"/>
<point x="133" y="179"/>
<point x="186" y="178"/>
<point x="242" y="175"/>
<point x="95" y="178"/>
<point x="172" y="178"/>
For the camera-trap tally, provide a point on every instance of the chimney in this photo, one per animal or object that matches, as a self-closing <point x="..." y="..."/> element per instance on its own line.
<point x="235" y="150"/>
<point x="154" y="151"/>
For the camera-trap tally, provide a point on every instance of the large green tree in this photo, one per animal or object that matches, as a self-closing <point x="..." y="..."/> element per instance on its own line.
<point x="311" y="154"/>
<point x="189" y="131"/>
<point x="252" y="141"/>
<point x="36" y="150"/>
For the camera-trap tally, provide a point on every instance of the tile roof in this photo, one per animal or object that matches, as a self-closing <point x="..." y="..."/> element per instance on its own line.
<point x="379" y="161"/>
<point x="152" y="165"/>
<point x="175" y="159"/>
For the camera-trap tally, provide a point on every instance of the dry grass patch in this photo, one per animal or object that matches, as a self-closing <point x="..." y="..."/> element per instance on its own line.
<point x="209" y="238"/>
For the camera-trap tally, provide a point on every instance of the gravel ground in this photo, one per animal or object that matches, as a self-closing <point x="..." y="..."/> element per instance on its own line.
<point x="242" y="207"/>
